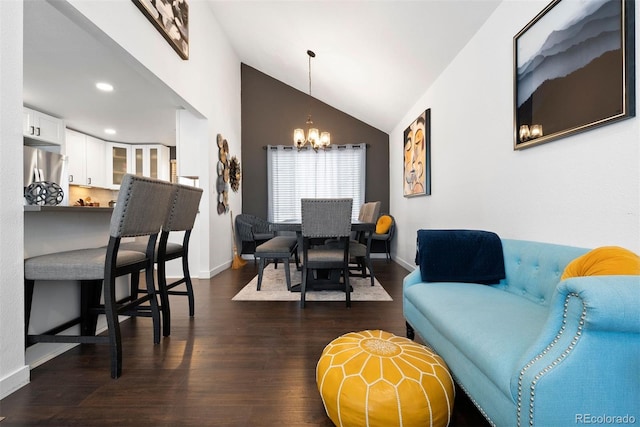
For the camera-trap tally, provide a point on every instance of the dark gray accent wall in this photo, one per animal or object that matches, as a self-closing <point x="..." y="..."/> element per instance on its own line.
<point x="271" y="110"/>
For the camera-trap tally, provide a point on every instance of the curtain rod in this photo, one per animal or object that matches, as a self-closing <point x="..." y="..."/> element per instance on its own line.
<point x="308" y="147"/>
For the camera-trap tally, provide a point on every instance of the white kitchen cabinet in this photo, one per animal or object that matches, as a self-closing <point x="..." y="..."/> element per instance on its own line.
<point x="42" y="127"/>
<point x="96" y="162"/>
<point x="151" y="160"/>
<point x="86" y="159"/>
<point x="119" y="163"/>
<point x="76" y="152"/>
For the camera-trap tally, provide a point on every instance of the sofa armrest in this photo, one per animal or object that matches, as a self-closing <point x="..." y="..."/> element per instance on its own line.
<point x="582" y="359"/>
<point x="412" y="278"/>
<point x="612" y="302"/>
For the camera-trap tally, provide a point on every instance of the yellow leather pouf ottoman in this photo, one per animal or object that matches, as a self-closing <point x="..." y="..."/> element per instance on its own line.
<point x="375" y="378"/>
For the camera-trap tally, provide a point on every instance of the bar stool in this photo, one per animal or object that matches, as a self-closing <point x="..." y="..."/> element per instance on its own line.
<point x="140" y="211"/>
<point x="181" y="216"/>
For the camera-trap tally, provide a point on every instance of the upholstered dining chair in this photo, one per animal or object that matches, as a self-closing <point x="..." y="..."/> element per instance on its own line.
<point x="385" y="230"/>
<point x="140" y="211"/>
<point x="252" y="232"/>
<point x="360" y="247"/>
<point x="180" y="216"/>
<point x="326" y="218"/>
<point x="360" y="243"/>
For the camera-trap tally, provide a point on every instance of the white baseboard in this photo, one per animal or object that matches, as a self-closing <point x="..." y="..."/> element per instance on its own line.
<point x="405" y="264"/>
<point x="14" y="381"/>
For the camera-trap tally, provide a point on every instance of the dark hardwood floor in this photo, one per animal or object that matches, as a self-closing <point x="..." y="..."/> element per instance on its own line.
<point x="236" y="363"/>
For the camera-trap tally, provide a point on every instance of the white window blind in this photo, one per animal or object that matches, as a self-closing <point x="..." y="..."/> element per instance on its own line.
<point x="293" y="175"/>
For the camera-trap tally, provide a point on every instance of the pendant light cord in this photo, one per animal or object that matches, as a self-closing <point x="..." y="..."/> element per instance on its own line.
<point x="311" y="54"/>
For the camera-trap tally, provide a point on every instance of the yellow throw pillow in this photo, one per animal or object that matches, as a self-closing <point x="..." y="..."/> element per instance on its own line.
<point x="384" y="224"/>
<point x="604" y="261"/>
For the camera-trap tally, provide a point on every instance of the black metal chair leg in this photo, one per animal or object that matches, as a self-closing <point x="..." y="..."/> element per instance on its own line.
<point x="28" y="300"/>
<point x="347" y="286"/>
<point x="115" y="337"/>
<point x="153" y="302"/>
<point x="188" y="283"/>
<point x="135" y="286"/>
<point x="90" y="293"/>
<point x="287" y="274"/>
<point x="303" y="287"/>
<point x="261" y="265"/>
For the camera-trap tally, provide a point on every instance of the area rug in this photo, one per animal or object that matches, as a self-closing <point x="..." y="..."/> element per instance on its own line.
<point x="274" y="288"/>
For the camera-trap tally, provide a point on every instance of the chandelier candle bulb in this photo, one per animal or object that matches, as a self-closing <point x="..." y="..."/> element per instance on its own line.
<point x="325" y="139"/>
<point x="298" y="137"/>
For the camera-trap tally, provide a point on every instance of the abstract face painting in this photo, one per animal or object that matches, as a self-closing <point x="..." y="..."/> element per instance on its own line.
<point x="416" y="179"/>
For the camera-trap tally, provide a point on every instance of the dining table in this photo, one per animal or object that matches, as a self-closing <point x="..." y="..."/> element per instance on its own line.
<point x="330" y="282"/>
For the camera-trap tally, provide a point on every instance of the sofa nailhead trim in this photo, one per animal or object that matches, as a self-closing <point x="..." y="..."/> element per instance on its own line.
<point x="554" y="363"/>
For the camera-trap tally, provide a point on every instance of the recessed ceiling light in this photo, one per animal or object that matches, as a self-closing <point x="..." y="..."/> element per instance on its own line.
<point x="110" y="131"/>
<point x="105" y="87"/>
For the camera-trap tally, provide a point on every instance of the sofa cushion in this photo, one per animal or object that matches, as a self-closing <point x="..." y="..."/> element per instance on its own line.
<point x="604" y="261"/>
<point x="489" y="326"/>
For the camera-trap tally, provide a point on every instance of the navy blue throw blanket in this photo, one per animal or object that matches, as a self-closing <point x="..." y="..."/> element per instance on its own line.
<point x="468" y="256"/>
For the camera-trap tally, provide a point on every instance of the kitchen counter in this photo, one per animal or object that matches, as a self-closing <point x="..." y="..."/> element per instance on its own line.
<point x="49" y="229"/>
<point x="75" y="209"/>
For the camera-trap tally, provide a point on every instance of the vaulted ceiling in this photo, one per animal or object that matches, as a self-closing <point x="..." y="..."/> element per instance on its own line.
<point x="374" y="59"/>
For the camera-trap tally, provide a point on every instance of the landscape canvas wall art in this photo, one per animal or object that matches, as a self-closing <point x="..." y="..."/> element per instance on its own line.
<point x="574" y="69"/>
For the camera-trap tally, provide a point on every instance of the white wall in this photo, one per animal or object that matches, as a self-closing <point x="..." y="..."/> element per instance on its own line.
<point x="13" y="371"/>
<point x="209" y="82"/>
<point x="583" y="190"/>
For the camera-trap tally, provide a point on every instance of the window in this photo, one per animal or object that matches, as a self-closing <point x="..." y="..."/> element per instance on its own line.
<point x="339" y="171"/>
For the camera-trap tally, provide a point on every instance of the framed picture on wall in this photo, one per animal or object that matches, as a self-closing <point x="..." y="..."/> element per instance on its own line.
<point x="574" y="69"/>
<point x="171" y="19"/>
<point x="416" y="180"/>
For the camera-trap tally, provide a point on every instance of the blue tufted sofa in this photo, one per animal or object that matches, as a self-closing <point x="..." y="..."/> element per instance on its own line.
<point x="532" y="349"/>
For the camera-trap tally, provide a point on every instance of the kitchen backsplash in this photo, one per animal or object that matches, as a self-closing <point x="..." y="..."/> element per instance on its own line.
<point x="91" y="195"/>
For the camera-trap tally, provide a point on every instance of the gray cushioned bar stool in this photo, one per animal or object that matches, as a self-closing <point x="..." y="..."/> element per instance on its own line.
<point x="181" y="216"/>
<point x="140" y="211"/>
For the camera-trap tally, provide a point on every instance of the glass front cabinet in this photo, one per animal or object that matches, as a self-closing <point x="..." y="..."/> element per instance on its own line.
<point x="119" y="164"/>
<point x="151" y="161"/>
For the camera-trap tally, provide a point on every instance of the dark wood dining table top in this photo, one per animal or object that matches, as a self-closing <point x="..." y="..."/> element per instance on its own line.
<point x="331" y="283"/>
<point x="296" y="225"/>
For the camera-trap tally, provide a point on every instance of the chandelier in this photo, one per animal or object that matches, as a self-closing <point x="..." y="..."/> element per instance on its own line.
<point x="314" y="137"/>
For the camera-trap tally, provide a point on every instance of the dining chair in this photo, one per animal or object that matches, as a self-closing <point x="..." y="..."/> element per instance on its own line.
<point x="140" y="211"/>
<point x="385" y="230"/>
<point x="360" y="242"/>
<point x="326" y="218"/>
<point x="360" y="247"/>
<point x="252" y="232"/>
<point x="180" y="217"/>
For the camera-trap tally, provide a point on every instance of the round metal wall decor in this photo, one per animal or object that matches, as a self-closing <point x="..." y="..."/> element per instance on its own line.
<point x="44" y="193"/>
<point x="235" y="174"/>
<point x="222" y="182"/>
